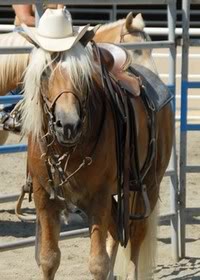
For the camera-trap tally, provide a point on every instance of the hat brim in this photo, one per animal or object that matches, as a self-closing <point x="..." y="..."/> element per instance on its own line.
<point x="55" y="44"/>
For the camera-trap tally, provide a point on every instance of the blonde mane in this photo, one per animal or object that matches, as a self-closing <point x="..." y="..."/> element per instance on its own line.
<point x="78" y="64"/>
<point x="12" y="65"/>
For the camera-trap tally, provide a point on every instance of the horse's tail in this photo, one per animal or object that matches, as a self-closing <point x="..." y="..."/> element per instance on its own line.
<point x="122" y="261"/>
<point x="147" y="255"/>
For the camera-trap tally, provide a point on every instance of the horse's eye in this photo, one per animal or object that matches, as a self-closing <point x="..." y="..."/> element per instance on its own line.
<point x="138" y="52"/>
<point x="46" y="73"/>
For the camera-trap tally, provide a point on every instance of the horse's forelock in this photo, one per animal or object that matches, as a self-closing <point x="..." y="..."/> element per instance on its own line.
<point x="79" y="65"/>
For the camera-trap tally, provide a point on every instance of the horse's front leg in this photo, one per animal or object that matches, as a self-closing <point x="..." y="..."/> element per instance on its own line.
<point x="49" y="227"/>
<point x="99" y="216"/>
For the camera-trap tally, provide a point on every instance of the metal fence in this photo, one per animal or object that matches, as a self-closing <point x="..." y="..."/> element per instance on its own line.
<point x="186" y="126"/>
<point x="154" y="16"/>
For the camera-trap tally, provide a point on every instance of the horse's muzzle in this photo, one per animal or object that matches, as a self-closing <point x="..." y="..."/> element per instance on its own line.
<point x="67" y="127"/>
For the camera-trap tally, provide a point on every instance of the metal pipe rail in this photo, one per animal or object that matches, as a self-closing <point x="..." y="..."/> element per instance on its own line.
<point x="148" y="45"/>
<point x="15" y="50"/>
<point x="9" y="99"/>
<point x="89" y="2"/>
<point x="18" y="148"/>
<point x="84" y="232"/>
<point x="148" y="30"/>
<point x="9" y="198"/>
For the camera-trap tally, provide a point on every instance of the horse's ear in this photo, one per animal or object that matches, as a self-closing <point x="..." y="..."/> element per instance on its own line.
<point x="138" y="22"/>
<point x="23" y="34"/>
<point x="129" y="19"/>
<point x="88" y="36"/>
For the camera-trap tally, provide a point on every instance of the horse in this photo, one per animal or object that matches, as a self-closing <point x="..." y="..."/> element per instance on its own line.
<point x="129" y="29"/>
<point x="74" y="158"/>
<point x="12" y="67"/>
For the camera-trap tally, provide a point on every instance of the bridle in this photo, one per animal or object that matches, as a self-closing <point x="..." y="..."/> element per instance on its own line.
<point x="57" y="162"/>
<point x="49" y="108"/>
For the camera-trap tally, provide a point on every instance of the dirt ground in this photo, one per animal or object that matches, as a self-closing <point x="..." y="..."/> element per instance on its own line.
<point x="20" y="263"/>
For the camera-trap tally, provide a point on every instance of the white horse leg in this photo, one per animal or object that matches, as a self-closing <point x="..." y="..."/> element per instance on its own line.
<point x="111" y="247"/>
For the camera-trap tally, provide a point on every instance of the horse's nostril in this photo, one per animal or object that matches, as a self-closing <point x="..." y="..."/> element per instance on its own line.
<point x="58" y="123"/>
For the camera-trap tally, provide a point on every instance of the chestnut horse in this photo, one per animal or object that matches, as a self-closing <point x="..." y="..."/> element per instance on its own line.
<point x="72" y="159"/>
<point x="125" y="30"/>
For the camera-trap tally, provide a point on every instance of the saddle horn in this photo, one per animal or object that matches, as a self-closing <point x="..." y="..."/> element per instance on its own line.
<point x="89" y="35"/>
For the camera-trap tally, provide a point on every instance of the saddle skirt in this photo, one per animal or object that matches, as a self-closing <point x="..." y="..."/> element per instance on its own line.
<point x="156" y="92"/>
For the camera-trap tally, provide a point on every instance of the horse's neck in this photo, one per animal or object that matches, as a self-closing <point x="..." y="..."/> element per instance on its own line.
<point x="113" y="34"/>
<point x="144" y="57"/>
<point x="109" y="34"/>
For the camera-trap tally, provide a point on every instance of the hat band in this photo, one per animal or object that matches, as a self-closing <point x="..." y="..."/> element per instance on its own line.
<point x="54" y="36"/>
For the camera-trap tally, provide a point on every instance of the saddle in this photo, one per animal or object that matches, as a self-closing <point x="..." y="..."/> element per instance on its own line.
<point x="118" y="60"/>
<point x="114" y="61"/>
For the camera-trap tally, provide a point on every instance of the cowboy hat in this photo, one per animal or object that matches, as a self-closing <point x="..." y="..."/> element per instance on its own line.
<point x="55" y="31"/>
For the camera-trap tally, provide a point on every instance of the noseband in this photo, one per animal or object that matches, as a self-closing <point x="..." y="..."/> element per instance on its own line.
<point x="51" y="104"/>
<point x="49" y="107"/>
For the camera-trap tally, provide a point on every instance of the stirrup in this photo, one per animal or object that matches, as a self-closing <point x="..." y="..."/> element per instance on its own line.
<point x="26" y="189"/>
<point x="12" y="121"/>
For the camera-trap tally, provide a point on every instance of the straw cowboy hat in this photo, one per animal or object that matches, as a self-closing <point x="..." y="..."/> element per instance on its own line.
<point x="55" y="31"/>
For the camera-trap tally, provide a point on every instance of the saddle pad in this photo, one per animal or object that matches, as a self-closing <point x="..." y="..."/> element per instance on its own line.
<point x="156" y="91"/>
